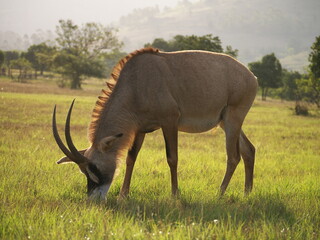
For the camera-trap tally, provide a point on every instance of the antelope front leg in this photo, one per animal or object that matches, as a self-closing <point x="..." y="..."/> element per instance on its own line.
<point x="170" y="134"/>
<point x="130" y="161"/>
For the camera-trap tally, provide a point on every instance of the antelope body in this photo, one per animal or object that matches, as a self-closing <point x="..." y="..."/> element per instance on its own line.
<point x="189" y="91"/>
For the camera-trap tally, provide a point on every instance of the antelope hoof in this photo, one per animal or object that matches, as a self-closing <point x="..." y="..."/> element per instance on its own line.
<point x="176" y="194"/>
<point x="247" y="191"/>
<point x="122" y="197"/>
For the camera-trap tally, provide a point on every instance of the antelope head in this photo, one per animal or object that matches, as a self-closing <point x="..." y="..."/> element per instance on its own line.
<point x="97" y="163"/>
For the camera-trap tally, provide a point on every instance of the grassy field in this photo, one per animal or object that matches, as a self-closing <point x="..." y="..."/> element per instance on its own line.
<point x="42" y="200"/>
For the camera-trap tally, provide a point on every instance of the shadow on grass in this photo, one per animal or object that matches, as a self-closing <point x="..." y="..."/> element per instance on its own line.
<point x="236" y="210"/>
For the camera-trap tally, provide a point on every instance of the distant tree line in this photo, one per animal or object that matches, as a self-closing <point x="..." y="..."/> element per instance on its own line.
<point x="89" y="50"/>
<point x="80" y="51"/>
<point x="290" y="85"/>
<point x="92" y="50"/>
<point x="192" y="42"/>
<point x="37" y="59"/>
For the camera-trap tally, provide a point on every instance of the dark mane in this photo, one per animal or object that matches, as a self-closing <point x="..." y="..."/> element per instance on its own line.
<point x="105" y="94"/>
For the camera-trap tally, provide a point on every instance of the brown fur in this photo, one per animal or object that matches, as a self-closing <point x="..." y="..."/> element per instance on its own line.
<point x="189" y="91"/>
<point x="103" y="99"/>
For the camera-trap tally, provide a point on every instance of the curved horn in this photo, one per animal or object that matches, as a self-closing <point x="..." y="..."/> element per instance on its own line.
<point x="63" y="148"/>
<point x="79" y="157"/>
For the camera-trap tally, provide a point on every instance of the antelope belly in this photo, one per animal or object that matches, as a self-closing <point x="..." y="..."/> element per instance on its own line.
<point x="195" y="125"/>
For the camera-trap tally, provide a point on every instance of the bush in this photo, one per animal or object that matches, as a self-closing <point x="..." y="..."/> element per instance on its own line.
<point x="62" y="82"/>
<point x="301" y="109"/>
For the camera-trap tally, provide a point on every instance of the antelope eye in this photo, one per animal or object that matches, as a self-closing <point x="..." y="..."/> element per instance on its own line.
<point x="93" y="168"/>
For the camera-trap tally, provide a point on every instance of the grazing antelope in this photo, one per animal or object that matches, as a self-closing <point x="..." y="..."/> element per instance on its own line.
<point x="189" y="91"/>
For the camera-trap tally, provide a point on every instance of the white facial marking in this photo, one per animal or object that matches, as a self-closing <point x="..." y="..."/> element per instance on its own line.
<point x="100" y="192"/>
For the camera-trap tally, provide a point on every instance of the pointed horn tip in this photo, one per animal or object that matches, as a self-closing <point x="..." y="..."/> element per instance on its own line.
<point x="62" y="147"/>
<point x="71" y="106"/>
<point x="79" y="158"/>
<point x="54" y="115"/>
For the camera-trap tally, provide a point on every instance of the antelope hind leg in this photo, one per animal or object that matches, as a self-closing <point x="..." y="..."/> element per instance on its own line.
<point x="247" y="151"/>
<point x="231" y="124"/>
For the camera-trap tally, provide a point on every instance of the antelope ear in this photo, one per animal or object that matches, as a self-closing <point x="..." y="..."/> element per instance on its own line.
<point x="92" y="176"/>
<point x="64" y="160"/>
<point x="107" y="142"/>
<point x="68" y="160"/>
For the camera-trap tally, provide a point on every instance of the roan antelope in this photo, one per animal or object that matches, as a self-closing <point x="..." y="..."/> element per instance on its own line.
<point x="189" y="91"/>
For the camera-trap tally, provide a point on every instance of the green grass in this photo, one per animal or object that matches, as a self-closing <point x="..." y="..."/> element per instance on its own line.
<point x="42" y="200"/>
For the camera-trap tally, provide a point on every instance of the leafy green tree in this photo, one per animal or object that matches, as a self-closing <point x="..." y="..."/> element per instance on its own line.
<point x="268" y="72"/>
<point x="232" y="52"/>
<point x="289" y="89"/>
<point x="1" y="63"/>
<point x="206" y="42"/>
<point x="23" y="65"/>
<point x="1" y="58"/>
<point x="82" y="49"/>
<point x="161" y="44"/>
<point x="314" y="58"/>
<point x="8" y="57"/>
<point x="112" y="58"/>
<point x="40" y="56"/>
<point x="309" y="88"/>
<point x="192" y="42"/>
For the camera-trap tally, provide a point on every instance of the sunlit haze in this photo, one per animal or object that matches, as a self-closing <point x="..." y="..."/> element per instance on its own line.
<point x="25" y="17"/>
<point x="254" y="27"/>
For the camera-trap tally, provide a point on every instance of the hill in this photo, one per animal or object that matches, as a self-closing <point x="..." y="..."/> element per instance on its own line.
<point x="255" y="27"/>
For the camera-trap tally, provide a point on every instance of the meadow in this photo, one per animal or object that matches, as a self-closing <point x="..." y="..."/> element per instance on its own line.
<point x="42" y="200"/>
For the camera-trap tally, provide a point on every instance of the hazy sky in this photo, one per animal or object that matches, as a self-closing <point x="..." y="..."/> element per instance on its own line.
<point x="26" y="16"/>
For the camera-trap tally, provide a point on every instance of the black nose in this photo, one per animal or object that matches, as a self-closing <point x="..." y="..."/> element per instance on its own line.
<point x="91" y="185"/>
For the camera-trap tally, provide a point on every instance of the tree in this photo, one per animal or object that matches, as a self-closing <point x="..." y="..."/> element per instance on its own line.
<point x="23" y="65"/>
<point x="8" y="57"/>
<point x="232" y="52"/>
<point x="314" y="58"/>
<point x="112" y="58"/>
<point x="289" y="89"/>
<point x="192" y="42"/>
<point x="206" y="42"/>
<point x="268" y="72"/>
<point x="81" y="50"/>
<point x="161" y="44"/>
<point x="1" y="63"/>
<point x="1" y="58"/>
<point x="309" y="88"/>
<point x="40" y="56"/>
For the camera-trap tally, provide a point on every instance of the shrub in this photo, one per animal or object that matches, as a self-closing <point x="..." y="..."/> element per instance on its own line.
<point x="301" y="109"/>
